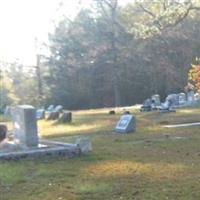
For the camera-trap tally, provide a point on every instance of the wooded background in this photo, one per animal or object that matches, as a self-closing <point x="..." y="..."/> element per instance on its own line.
<point x="110" y="56"/>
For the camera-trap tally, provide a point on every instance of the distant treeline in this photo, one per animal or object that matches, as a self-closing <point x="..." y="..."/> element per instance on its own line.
<point x="111" y="56"/>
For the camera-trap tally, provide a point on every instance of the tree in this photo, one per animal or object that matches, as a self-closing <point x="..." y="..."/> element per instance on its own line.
<point x="7" y="96"/>
<point x="154" y="17"/>
<point x="194" y="76"/>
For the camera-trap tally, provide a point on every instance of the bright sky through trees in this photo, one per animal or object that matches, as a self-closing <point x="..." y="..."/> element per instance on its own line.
<point x="23" y="20"/>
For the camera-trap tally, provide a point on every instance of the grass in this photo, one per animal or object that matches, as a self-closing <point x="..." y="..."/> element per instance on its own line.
<point x="156" y="167"/>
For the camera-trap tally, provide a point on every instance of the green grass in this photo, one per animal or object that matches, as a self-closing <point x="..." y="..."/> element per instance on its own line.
<point x="156" y="167"/>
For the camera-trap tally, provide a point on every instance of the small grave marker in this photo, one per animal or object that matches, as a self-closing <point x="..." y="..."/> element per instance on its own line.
<point x="126" y="124"/>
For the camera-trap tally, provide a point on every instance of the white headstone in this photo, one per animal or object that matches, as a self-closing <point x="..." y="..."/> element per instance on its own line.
<point x="190" y="96"/>
<point x="50" y="108"/>
<point x="126" y="124"/>
<point x="58" y="108"/>
<point x="156" y="99"/>
<point x="25" y="125"/>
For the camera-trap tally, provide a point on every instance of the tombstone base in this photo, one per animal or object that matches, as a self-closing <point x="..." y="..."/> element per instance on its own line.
<point x="45" y="148"/>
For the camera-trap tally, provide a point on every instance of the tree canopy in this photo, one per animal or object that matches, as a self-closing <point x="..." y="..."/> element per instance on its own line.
<point x="110" y="55"/>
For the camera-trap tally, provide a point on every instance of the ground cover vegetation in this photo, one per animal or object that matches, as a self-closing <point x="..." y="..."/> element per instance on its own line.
<point x="152" y="163"/>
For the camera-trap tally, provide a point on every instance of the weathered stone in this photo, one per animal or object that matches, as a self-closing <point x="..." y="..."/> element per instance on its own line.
<point x="3" y="132"/>
<point x="146" y="106"/>
<point x="58" y="108"/>
<point x="190" y="96"/>
<point x="40" y="114"/>
<point x="182" y="98"/>
<point x="126" y="124"/>
<point x="53" y="115"/>
<point x="66" y="117"/>
<point x="84" y="145"/>
<point x="25" y="125"/>
<point x="173" y="99"/>
<point x="50" y="108"/>
<point x="156" y="99"/>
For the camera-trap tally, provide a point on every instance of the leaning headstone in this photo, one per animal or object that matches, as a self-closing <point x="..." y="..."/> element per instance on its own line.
<point x="66" y="117"/>
<point x="40" y="114"/>
<point x="84" y="145"/>
<point x="53" y="115"/>
<point x="3" y="131"/>
<point x="25" y="126"/>
<point x="126" y="124"/>
<point x="50" y="108"/>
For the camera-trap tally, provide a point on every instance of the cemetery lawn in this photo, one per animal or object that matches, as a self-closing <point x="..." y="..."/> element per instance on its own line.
<point x="154" y="163"/>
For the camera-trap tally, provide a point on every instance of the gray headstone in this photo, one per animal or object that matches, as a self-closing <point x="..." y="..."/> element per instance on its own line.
<point x="190" y="96"/>
<point x="126" y="124"/>
<point x="58" y="108"/>
<point x="84" y="144"/>
<point x="197" y="97"/>
<point x="66" y="117"/>
<point x="3" y="131"/>
<point x="52" y="115"/>
<point x="25" y="125"/>
<point x="173" y="98"/>
<point x="182" y="98"/>
<point x="156" y="98"/>
<point x="50" y="108"/>
<point x="40" y="114"/>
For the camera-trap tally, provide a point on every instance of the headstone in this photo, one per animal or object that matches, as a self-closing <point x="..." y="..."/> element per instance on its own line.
<point x="84" y="144"/>
<point x="126" y="124"/>
<point x="50" y="108"/>
<point x="58" y="108"/>
<point x="25" y="125"/>
<point x="52" y="115"/>
<point x="146" y="106"/>
<point x="197" y="97"/>
<point x="3" y="131"/>
<point x="66" y="117"/>
<point x="40" y="114"/>
<point x="156" y="99"/>
<point x="190" y="96"/>
<point x="173" y="98"/>
<point x="182" y="98"/>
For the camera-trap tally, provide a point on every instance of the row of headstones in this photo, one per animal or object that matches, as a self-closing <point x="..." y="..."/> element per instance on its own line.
<point x="127" y="122"/>
<point x="54" y="113"/>
<point x="179" y="99"/>
<point x="183" y="99"/>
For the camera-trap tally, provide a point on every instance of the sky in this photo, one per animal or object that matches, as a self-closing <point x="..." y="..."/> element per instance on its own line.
<point x="22" y="21"/>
